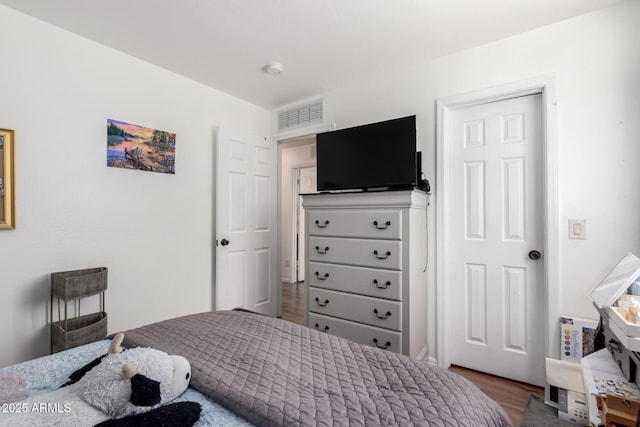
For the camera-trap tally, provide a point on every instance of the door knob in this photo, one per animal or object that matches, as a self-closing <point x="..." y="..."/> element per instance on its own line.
<point x="224" y="242"/>
<point x="535" y="255"/>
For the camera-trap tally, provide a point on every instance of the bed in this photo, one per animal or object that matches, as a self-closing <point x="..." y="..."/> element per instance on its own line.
<point x="249" y="369"/>
<point x="37" y="376"/>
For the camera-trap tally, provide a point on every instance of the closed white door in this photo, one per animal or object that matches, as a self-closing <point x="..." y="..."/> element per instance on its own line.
<point x="496" y="307"/>
<point x="246" y="218"/>
<point x="307" y="183"/>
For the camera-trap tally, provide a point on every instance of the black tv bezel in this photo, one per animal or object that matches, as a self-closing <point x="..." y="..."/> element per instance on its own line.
<point x="374" y="186"/>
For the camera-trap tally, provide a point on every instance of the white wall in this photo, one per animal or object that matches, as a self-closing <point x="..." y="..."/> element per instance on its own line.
<point x="597" y="63"/>
<point x="153" y="231"/>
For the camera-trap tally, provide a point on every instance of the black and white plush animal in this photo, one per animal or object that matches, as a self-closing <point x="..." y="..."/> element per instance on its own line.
<point x="122" y="388"/>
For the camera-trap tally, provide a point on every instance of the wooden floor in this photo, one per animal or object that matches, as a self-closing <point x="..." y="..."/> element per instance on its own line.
<point x="293" y="302"/>
<point x="511" y="395"/>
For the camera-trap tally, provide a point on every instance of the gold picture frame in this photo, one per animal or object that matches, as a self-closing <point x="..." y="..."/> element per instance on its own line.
<point x="7" y="185"/>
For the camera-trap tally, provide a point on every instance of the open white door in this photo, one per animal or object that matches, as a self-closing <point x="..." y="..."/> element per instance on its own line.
<point x="246" y="223"/>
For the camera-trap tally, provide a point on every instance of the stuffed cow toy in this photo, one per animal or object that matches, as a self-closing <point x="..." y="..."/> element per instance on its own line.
<point x="121" y="388"/>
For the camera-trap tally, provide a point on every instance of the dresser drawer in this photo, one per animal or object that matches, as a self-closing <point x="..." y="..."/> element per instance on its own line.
<point x="374" y="282"/>
<point x="360" y="252"/>
<point x="372" y="311"/>
<point x="363" y="334"/>
<point x="375" y="224"/>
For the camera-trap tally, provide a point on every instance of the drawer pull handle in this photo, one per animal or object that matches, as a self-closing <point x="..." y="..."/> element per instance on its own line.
<point x="322" y="304"/>
<point x="375" y="341"/>
<point x="321" y="252"/>
<point x="326" y="328"/>
<point x="381" y="227"/>
<point x="385" y="256"/>
<point x="614" y="345"/>
<point x="326" y="275"/>
<point x="323" y="225"/>
<point x="384" y="316"/>
<point x="384" y="286"/>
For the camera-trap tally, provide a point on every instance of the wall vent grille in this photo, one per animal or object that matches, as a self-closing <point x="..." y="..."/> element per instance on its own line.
<point x="300" y="115"/>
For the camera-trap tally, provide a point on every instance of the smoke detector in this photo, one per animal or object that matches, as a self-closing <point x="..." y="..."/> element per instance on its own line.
<point x="273" y="68"/>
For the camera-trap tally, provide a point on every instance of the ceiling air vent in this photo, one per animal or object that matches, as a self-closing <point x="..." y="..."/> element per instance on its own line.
<point x="300" y="115"/>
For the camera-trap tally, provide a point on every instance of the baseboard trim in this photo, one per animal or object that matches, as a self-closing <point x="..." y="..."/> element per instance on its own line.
<point x="423" y="355"/>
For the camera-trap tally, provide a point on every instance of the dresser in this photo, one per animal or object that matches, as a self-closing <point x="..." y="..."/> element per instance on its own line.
<point x="365" y="275"/>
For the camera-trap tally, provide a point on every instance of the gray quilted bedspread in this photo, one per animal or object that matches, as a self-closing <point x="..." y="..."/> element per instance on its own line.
<point x="277" y="373"/>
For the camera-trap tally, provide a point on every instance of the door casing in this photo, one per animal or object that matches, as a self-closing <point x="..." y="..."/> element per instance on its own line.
<point x="299" y="223"/>
<point x="546" y="86"/>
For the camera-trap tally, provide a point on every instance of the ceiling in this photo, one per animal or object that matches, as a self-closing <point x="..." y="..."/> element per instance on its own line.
<point x="323" y="44"/>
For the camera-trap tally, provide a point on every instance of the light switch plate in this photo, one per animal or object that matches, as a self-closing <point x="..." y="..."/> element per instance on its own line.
<point x="577" y="229"/>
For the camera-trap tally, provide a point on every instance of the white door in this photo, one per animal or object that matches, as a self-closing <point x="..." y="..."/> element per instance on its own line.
<point x="496" y="307"/>
<point x="246" y="218"/>
<point x="307" y="183"/>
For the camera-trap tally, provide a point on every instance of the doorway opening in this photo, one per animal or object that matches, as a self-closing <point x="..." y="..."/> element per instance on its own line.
<point x="297" y="160"/>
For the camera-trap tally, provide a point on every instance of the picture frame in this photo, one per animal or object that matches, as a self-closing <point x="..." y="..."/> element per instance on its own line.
<point x="7" y="184"/>
<point x="131" y="146"/>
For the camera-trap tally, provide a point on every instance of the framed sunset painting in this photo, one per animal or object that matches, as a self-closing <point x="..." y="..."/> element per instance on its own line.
<point x="132" y="146"/>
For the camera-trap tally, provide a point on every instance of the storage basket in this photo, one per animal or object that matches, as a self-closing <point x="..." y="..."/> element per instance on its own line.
<point x="73" y="286"/>
<point x="77" y="284"/>
<point x="77" y="331"/>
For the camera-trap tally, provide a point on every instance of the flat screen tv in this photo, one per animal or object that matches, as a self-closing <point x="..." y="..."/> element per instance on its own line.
<point x="373" y="156"/>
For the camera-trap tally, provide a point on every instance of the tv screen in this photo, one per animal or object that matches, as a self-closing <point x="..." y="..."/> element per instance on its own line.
<point x="377" y="155"/>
